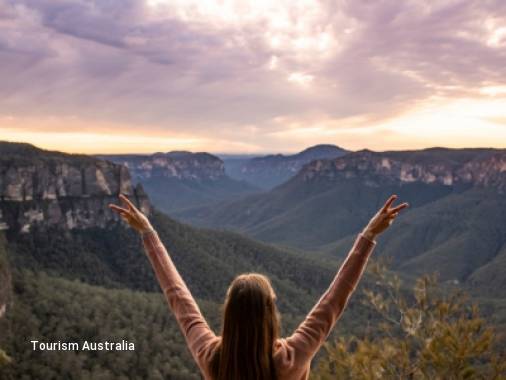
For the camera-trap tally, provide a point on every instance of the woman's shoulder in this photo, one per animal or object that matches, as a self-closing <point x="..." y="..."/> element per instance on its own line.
<point x="208" y="350"/>
<point x="278" y="343"/>
<point x="282" y="351"/>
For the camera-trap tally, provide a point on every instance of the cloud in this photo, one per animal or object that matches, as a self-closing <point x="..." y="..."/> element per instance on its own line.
<point x="217" y="69"/>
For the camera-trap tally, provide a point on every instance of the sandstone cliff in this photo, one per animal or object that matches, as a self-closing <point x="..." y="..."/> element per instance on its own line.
<point x="180" y="180"/>
<point x="57" y="189"/>
<point x="180" y="165"/>
<point x="472" y="167"/>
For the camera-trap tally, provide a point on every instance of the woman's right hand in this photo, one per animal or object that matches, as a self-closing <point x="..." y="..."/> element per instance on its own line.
<point x="132" y="215"/>
<point x="383" y="218"/>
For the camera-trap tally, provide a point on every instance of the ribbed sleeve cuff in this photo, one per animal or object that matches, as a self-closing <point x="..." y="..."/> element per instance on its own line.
<point x="366" y="238"/>
<point x="149" y="238"/>
<point x="364" y="246"/>
<point x="147" y="233"/>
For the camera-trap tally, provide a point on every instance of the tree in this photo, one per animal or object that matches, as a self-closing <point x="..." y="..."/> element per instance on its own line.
<point x="431" y="333"/>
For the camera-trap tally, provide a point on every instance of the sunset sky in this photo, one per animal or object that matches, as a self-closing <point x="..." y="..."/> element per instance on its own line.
<point x="110" y="76"/>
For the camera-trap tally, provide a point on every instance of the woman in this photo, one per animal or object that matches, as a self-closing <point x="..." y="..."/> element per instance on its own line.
<point x="249" y="347"/>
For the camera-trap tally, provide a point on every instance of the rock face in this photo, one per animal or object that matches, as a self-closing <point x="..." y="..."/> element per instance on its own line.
<point x="466" y="167"/>
<point x="180" y="165"/>
<point x="57" y="189"/>
<point x="180" y="180"/>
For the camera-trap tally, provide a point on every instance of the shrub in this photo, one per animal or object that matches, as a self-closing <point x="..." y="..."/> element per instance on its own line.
<point x="429" y="333"/>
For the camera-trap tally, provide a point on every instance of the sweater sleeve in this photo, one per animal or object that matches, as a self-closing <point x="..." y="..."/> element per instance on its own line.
<point x="312" y="332"/>
<point x="198" y="335"/>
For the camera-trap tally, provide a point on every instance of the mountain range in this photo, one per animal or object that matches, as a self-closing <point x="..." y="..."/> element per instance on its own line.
<point x="180" y="180"/>
<point x="456" y="222"/>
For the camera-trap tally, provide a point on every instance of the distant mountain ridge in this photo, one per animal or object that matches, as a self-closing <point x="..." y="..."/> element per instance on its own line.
<point x="180" y="179"/>
<point x="272" y="170"/>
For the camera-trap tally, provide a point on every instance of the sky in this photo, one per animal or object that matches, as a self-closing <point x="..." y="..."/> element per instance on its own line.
<point x="125" y="76"/>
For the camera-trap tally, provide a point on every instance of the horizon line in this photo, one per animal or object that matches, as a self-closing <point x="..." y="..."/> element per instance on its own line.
<point x="266" y="153"/>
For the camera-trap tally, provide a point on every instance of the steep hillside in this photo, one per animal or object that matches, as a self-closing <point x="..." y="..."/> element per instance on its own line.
<point x="178" y="180"/>
<point x="52" y="309"/>
<point x="269" y="171"/>
<point x="208" y="260"/>
<point x="462" y="236"/>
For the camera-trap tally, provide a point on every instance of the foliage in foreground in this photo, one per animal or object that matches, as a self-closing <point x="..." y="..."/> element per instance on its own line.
<point x="52" y="309"/>
<point x="429" y="334"/>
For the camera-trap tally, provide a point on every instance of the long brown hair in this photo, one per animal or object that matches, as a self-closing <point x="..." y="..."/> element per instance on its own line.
<point x="250" y="328"/>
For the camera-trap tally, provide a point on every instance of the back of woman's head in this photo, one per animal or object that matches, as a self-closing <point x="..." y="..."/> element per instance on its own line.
<point x="250" y="327"/>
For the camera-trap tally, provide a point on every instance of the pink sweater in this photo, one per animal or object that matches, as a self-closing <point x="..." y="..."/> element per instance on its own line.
<point x="292" y="355"/>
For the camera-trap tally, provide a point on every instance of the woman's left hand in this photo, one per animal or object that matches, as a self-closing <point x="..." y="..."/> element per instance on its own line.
<point x="383" y="218"/>
<point x="132" y="215"/>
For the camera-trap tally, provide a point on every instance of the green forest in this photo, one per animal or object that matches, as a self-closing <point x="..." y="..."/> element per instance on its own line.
<point x="83" y="285"/>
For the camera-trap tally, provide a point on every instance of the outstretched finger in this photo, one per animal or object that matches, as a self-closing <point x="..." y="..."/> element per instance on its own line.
<point x="389" y="202"/>
<point x="127" y="202"/>
<point x="118" y="209"/>
<point x="399" y="208"/>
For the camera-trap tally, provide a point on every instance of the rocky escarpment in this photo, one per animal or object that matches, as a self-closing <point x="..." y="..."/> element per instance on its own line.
<point x="465" y="167"/>
<point x="180" y="180"/>
<point x="56" y="189"/>
<point x="180" y="165"/>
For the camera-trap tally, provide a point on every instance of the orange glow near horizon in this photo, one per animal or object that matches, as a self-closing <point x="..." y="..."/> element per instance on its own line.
<point x="456" y="124"/>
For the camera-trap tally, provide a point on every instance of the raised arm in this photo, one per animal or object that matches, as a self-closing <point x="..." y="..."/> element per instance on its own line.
<point x="312" y="332"/>
<point x="195" y="329"/>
